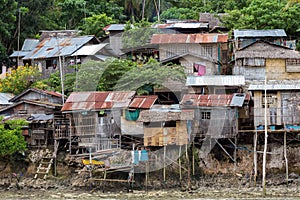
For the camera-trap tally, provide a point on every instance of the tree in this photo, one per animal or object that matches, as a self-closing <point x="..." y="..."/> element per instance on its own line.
<point x="94" y="25"/>
<point x="7" y="25"/>
<point x="179" y="13"/>
<point x="152" y="74"/>
<point x="138" y="35"/>
<point x="11" y="139"/>
<point x="266" y="14"/>
<point x="102" y="76"/>
<point x="19" y="79"/>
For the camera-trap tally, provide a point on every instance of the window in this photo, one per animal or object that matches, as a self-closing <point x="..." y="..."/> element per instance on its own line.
<point x="271" y="101"/>
<point x="208" y="51"/>
<point x="292" y="65"/>
<point x="205" y="115"/>
<point x="254" y="61"/>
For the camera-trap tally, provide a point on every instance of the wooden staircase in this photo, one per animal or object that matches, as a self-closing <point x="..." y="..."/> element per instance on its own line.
<point x="44" y="167"/>
<point x="46" y="162"/>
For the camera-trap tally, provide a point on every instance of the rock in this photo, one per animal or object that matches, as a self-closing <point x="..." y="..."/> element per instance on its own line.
<point x="293" y="176"/>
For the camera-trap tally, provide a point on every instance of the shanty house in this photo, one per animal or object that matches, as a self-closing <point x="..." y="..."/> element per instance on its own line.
<point x="132" y="128"/>
<point x="166" y="125"/>
<point x="276" y="69"/>
<point x="95" y="118"/>
<point x="38" y="107"/>
<point x="243" y="38"/>
<point x="201" y="54"/>
<point x="216" y="115"/>
<point x="55" y="49"/>
<point x="17" y="56"/>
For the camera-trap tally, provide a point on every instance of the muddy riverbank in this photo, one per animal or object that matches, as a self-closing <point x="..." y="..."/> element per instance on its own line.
<point x="209" y="187"/>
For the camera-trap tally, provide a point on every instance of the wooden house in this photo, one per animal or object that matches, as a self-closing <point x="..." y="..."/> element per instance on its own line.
<point x="276" y="69"/>
<point x="216" y="115"/>
<point x="166" y="125"/>
<point x="95" y="119"/>
<point x="38" y="107"/>
<point x="243" y="38"/>
<point x="205" y="52"/>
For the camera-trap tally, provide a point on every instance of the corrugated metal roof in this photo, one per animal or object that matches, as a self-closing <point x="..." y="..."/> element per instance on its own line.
<point x="35" y="90"/>
<point x="182" y="25"/>
<point x="143" y="101"/>
<point x="115" y="27"/>
<point x="5" y="97"/>
<point x="103" y="57"/>
<point x="97" y="100"/>
<point x="206" y="100"/>
<point x="19" y="54"/>
<point x="89" y="49"/>
<point x="238" y="100"/>
<point x="40" y="117"/>
<point x="188" y="38"/>
<point x="29" y="44"/>
<point x="218" y="80"/>
<point x="259" y="33"/>
<point x="54" y="47"/>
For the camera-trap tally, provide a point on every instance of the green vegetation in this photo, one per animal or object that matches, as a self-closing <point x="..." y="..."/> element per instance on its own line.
<point x="19" y="79"/>
<point x="11" y="139"/>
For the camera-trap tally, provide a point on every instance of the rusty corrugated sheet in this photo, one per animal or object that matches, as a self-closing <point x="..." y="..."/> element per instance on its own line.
<point x="97" y="100"/>
<point x="54" y="47"/>
<point x="207" y="100"/>
<point x="145" y="102"/>
<point x="188" y="38"/>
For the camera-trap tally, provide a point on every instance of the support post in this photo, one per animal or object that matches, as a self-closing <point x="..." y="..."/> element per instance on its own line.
<point x="188" y="166"/>
<point x="164" y="170"/>
<point x="193" y="161"/>
<point x="286" y="160"/>
<point x="179" y="163"/>
<point x="255" y="157"/>
<point x="266" y="144"/>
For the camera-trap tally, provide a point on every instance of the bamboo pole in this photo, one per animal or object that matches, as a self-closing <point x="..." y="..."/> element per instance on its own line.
<point x="255" y="157"/>
<point x="286" y="160"/>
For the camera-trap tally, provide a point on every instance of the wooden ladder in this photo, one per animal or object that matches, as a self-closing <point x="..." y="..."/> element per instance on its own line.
<point x="44" y="167"/>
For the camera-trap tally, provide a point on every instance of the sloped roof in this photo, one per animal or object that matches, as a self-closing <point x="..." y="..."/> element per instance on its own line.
<point x="40" y="117"/>
<point x="188" y="38"/>
<point x="28" y="45"/>
<point x="5" y="97"/>
<point x="89" y="49"/>
<point x="216" y="80"/>
<point x="115" y="27"/>
<point x="37" y="103"/>
<point x="263" y="49"/>
<point x="55" y="94"/>
<point x="143" y="101"/>
<point x="97" y="100"/>
<point x="214" y="100"/>
<point x="54" y="47"/>
<point x="249" y="33"/>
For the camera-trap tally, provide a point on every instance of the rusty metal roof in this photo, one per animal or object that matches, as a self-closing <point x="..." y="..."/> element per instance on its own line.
<point x="207" y="100"/>
<point x="143" y="101"/>
<point x="97" y="100"/>
<point x="188" y="38"/>
<point x="54" y="47"/>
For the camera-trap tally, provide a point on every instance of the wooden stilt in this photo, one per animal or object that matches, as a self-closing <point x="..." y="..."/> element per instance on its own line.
<point x="179" y="163"/>
<point x="193" y="157"/>
<point x="188" y="166"/>
<point x="147" y="175"/>
<point x="285" y="157"/>
<point x="164" y="170"/>
<point x="235" y="151"/>
<point x="255" y="157"/>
